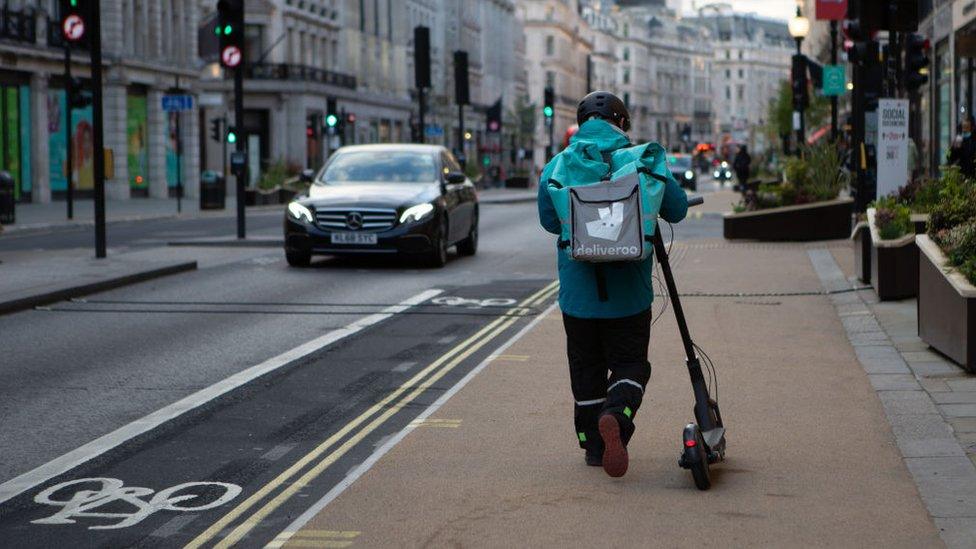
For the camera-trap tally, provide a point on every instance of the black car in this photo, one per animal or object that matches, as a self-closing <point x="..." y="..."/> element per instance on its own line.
<point x="385" y="199"/>
<point x="683" y="171"/>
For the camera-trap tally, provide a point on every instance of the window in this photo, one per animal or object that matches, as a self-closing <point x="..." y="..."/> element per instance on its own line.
<point x="728" y="73"/>
<point x="626" y="76"/>
<point x="550" y="45"/>
<point x="626" y="54"/>
<point x="550" y="79"/>
<point x="728" y="54"/>
<point x="253" y="42"/>
<point x="740" y="73"/>
<point x="739" y="92"/>
<point x="627" y="99"/>
<point x="728" y="92"/>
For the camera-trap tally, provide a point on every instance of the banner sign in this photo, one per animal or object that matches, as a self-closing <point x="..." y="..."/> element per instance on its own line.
<point x="892" y="145"/>
<point x="834" y="10"/>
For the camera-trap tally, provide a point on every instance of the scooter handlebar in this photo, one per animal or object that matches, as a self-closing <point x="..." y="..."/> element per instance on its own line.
<point x="696" y="200"/>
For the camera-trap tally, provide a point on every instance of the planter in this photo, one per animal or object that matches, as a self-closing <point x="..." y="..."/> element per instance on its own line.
<point x="861" y="238"/>
<point x="260" y="197"/>
<point x="946" y="306"/>
<point x="894" y="264"/>
<point x="921" y="223"/>
<point x="817" y="221"/>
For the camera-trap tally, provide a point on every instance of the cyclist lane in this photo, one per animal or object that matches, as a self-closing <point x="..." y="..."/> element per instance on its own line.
<point x="241" y="467"/>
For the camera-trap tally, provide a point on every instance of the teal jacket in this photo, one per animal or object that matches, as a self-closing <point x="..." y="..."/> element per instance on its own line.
<point x="629" y="288"/>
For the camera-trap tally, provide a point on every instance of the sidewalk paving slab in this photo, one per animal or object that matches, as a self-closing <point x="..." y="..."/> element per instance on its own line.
<point x="811" y="459"/>
<point x="31" y="279"/>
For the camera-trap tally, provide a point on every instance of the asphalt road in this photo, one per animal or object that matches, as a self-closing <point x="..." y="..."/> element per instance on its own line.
<point x="88" y="368"/>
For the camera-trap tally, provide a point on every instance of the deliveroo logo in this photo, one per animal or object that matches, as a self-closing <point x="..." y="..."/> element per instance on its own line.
<point x="610" y="222"/>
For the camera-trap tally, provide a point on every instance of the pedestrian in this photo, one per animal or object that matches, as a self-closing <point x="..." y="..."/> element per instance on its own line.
<point x="741" y="165"/>
<point x="963" y="151"/>
<point x="607" y="306"/>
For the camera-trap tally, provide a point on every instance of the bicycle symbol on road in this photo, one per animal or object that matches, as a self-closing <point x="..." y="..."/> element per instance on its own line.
<point x="111" y="490"/>
<point x="454" y="301"/>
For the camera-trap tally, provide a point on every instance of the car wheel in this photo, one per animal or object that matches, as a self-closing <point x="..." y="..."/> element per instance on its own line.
<point x="469" y="246"/>
<point x="438" y="255"/>
<point x="298" y="259"/>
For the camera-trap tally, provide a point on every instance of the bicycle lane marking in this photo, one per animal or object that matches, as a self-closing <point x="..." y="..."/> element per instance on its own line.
<point x="448" y="360"/>
<point x="43" y="473"/>
<point x="292" y="529"/>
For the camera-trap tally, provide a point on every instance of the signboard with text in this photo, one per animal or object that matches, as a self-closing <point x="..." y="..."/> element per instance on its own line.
<point x="892" y="151"/>
<point x="834" y="80"/>
<point x="834" y="10"/>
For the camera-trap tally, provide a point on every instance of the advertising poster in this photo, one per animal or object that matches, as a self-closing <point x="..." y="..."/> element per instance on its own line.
<point x="892" y="145"/>
<point x="172" y="164"/>
<point x="136" y="133"/>
<point x="81" y="143"/>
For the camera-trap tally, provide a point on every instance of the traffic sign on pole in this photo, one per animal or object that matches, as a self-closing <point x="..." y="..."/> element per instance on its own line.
<point x="177" y="103"/>
<point x="231" y="56"/>
<point x="73" y="28"/>
<point x="834" y="80"/>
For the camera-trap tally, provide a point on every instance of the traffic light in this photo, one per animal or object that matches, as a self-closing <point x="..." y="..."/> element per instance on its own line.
<point x="799" y="82"/>
<point x="547" y="104"/>
<point x="421" y="52"/>
<point x="75" y="18"/>
<point x="331" y="113"/>
<point x="461" y="92"/>
<point x="230" y="31"/>
<point x="215" y="129"/>
<point x="310" y="126"/>
<point x="889" y="15"/>
<point x="232" y="135"/>
<point x="76" y="96"/>
<point x="494" y="117"/>
<point x="916" y="62"/>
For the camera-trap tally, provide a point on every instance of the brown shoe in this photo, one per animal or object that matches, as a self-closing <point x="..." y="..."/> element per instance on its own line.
<point x="614" y="452"/>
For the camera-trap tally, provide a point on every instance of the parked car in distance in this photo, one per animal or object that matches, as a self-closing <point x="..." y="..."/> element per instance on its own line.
<point x="683" y="171"/>
<point x="384" y="199"/>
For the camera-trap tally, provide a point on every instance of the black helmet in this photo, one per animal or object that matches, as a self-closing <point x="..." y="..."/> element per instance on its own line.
<point x="605" y="105"/>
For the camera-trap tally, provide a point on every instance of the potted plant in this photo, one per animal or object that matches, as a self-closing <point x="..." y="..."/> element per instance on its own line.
<point x="947" y="272"/>
<point x="274" y="186"/>
<point x="806" y="205"/>
<point x="893" y="254"/>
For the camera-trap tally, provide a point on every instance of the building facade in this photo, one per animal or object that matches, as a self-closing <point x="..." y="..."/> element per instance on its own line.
<point x="140" y="67"/>
<point x="752" y="55"/>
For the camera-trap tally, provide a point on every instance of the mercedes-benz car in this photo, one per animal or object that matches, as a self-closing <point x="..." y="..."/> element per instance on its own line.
<point x="387" y="199"/>
<point x="683" y="171"/>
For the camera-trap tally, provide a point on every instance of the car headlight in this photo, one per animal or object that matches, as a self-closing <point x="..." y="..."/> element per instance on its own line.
<point x="725" y="164"/>
<point x="416" y="213"/>
<point x="689" y="174"/>
<point x="715" y="173"/>
<point x="300" y="212"/>
<point x="728" y="174"/>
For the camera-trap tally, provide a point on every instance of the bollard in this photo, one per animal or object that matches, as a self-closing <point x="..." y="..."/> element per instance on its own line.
<point x="7" y="204"/>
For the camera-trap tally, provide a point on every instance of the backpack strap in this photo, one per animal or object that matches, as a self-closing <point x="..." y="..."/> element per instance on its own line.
<point x="608" y="160"/>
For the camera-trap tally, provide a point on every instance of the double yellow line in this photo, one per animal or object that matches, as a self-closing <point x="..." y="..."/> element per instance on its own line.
<point x="415" y="385"/>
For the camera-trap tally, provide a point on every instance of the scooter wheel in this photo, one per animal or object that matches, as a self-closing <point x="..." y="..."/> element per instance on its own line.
<point x="699" y="464"/>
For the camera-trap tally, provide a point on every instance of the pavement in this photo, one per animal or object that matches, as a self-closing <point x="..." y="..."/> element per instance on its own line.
<point x="812" y="458"/>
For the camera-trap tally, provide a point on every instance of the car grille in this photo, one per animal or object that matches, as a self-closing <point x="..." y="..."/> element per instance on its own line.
<point x="374" y="219"/>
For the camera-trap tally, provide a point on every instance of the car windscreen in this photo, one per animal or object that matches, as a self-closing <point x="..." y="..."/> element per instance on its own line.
<point x="380" y="167"/>
<point x="680" y="162"/>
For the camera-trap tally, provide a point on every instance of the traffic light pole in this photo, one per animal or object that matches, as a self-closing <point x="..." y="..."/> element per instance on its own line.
<point x="833" y="98"/>
<point x="421" y="112"/>
<point x="549" y="147"/>
<point x="241" y="172"/>
<point x="69" y="173"/>
<point x="97" y="121"/>
<point x="460" y="135"/>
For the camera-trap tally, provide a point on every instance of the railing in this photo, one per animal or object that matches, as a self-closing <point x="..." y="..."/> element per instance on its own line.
<point x="285" y="71"/>
<point x="20" y="26"/>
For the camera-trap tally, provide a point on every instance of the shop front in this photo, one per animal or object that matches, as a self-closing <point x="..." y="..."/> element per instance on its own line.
<point x="15" y="126"/>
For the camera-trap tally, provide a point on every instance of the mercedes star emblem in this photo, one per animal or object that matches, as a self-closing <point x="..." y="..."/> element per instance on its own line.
<point x="354" y="220"/>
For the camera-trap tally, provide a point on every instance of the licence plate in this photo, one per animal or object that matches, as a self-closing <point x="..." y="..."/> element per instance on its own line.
<point x="354" y="238"/>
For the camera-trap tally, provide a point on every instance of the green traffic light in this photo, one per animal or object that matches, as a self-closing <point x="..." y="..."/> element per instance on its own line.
<point x="547" y="111"/>
<point x="228" y="29"/>
<point x="217" y="30"/>
<point x="231" y="137"/>
<point x="331" y="120"/>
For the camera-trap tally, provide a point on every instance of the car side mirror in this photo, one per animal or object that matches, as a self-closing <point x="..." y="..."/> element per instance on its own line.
<point x="455" y="177"/>
<point x="306" y="176"/>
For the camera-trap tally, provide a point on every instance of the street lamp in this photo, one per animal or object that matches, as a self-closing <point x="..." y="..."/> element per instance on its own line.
<point x="799" y="27"/>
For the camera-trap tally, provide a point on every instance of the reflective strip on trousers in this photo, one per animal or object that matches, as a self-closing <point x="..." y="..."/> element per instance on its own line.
<point x="628" y="381"/>
<point x="590" y="402"/>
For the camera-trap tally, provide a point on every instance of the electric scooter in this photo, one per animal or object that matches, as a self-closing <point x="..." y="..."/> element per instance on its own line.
<point x="703" y="441"/>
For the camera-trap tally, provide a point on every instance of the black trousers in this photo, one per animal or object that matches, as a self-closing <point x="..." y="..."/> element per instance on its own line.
<point x="608" y="370"/>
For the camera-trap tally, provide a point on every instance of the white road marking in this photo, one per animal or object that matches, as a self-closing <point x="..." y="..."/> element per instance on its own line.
<point x="447" y="339"/>
<point x="277" y="452"/>
<point x="173" y="526"/>
<point x="99" y="446"/>
<point x="358" y="471"/>
<point x="404" y="366"/>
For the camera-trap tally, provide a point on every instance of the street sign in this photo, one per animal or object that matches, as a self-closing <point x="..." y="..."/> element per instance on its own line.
<point x="238" y="159"/>
<point x="73" y="28"/>
<point x="892" y="152"/>
<point x="231" y="56"/>
<point x="834" y="80"/>
<point x="434" y="130"/>
<point x="176" y="103"/>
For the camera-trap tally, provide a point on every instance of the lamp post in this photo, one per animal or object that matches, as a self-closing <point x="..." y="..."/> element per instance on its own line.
<point x="799" y="27"/>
